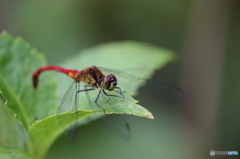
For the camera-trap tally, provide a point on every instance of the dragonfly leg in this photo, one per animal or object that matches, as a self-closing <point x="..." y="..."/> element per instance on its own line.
<point x="113" y="95"/>
<point x="85" y="90"/>
<point x="120" y="91"/>
<point x="96" y="100"/>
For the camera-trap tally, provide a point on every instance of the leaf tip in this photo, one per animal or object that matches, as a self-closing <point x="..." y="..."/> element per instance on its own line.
<point x="149" y="116"/>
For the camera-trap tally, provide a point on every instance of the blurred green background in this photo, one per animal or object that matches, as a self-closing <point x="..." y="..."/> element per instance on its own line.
<point x="205" y="36"/>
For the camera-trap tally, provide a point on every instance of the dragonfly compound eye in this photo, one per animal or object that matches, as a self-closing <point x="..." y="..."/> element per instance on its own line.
<point x="110" y="82"/>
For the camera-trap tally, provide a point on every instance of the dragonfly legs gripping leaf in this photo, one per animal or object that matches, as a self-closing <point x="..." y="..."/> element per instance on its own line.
<point x="120" y="91"/>
<point x="96" y="100"/>
<point x="99" y="93"/>
<point x="113" y="95"/>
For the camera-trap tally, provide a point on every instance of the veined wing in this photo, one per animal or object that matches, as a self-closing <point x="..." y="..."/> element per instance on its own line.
<point x="69" y="104"/>
<point x="118" y="124"/>
<point x="131" y="83"/>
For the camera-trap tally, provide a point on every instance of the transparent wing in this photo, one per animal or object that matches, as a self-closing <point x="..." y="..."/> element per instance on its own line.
<point x="118" y="124"/>
<point x="130" y="83"/>
<point x="69" y="104"/>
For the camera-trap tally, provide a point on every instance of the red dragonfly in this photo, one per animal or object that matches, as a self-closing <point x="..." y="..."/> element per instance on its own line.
<point x="101" y="86"/>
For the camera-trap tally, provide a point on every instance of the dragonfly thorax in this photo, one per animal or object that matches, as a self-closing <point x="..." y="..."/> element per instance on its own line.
<point x="109" y="82"/>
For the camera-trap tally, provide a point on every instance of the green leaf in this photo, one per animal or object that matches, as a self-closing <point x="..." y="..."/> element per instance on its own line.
<point x="36" y="110"/>
<point x="49" y="128"/>
<point x="13" y="154"/>
<point x="139" y="59"/>
<point x="17" y="62"/>
<point x="12" y="133"/>
<point x="126" y="105"/>
<point x="43" y="133"/>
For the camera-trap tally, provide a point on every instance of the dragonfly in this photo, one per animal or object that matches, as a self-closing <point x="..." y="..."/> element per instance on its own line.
<point x="100" y="86"/>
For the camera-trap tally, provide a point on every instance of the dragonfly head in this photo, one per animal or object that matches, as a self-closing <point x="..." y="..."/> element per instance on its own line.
<point x="110" y="82"/>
